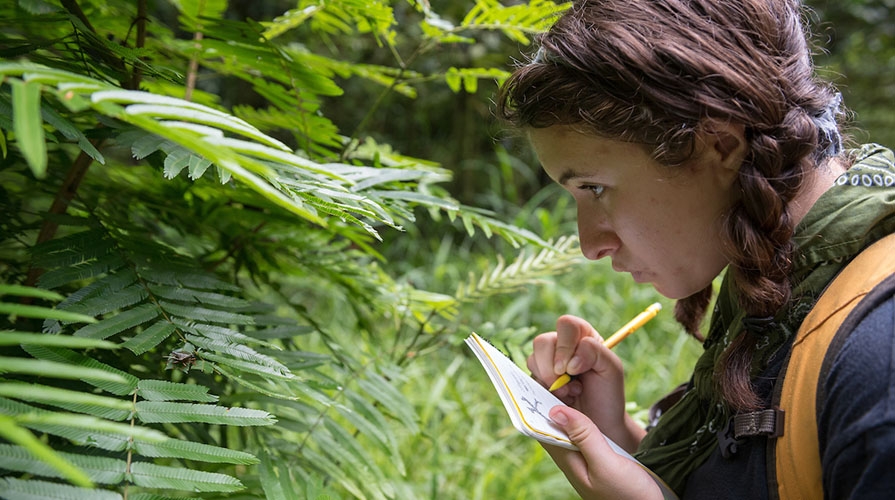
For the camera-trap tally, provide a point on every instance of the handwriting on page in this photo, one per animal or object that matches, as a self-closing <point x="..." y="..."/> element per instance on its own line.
<point x="534" y="401"/>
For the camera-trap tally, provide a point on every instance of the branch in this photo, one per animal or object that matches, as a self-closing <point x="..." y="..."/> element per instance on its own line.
<point x="137" y="75"/>
<point x="60" y="204"/>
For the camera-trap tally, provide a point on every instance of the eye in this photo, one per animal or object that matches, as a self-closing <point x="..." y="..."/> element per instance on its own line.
<point x="595" y="189"/>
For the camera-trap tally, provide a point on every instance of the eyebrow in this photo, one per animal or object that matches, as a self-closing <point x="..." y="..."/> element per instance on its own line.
<point x="566" y="176"/>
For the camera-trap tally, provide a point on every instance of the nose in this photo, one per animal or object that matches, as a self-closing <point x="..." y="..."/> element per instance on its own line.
<point x="596" y="237"/>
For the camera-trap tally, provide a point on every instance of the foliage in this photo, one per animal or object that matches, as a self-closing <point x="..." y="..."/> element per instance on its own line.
<point x="242" y="243"/>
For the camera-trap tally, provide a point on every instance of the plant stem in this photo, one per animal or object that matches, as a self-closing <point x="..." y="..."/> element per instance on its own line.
<point x="60" y="204"/>
<point x="193" y="69"/>
<point x="137" y="75"/>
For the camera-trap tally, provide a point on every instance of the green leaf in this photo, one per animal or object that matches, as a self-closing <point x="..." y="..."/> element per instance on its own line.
<point x="29" y="291"/>
<point x="150" y="337"/>
<point x="240" y="351"/>
<point x="157" y="476"/>
<point x="73" y="358"/>
<point x="162" y="390"/>
<point x="52" y="369"/>
<point x="248" y="366"/>
<point x="197" y="166"/>
<point x="29" y="311"/>
<point x="275" y="480"/>
<point x="18" y="489"/>
<point x="35" y="450"/>
<point x="55" y="278"/>
<point x="28" y="125"/>
<point x="189" y="450"/>
<point x="91" y="425"/>
<point x="381" y="390"/>
<point x="51" y="395"/>
<point x="119" y="322"/>
<point x="198" y="313"/>
<point x="371" y="423"/>
<point x="8" y="337"/>
<point x="176" y="161"/>
<point x="157" y="412"/>
<point x="98" y="469"/>
<point x="70" y="131"/>
<point x="201" y="8"/>
<point x="104" y="303"/>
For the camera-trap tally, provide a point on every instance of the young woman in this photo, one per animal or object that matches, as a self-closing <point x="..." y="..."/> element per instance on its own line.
<point x="695" y="138"/>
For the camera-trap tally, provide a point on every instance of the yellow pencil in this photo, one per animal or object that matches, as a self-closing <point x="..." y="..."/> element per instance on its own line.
<point x="629" y="328"/>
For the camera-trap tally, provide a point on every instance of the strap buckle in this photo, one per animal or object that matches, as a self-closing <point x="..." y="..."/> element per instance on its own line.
<point x="767" y="422"/>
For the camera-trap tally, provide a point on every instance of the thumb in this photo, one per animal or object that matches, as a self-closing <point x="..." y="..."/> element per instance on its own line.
<point x="582" y="431"/>
<point x="596" y="470"/>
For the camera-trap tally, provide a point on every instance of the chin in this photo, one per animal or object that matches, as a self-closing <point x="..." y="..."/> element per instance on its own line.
<point x="672" y="292"/>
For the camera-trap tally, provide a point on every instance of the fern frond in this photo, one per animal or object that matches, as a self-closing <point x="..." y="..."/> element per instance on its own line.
<point x="69" y="424"/>
<point x="276" y="480"/>
<point x="27" y="291"/>
<point x="98" y="469"/>
<point x="528" y="268"/>
<point x="29" y="311"/>
<point x="189" y="450"/>
<point x="35" y="450"/>
<point x="162" y="390"/>
<point x="219" y="333"/>
<point x="99" y="406"/>
<point x="119" y="322"/>
<point x="150" y="475"/>
<point x="9" y="337"/>
<point x="239" y="351"/>
<point x="52" y="369"/>
<point x="158" y="412"/>
<point x="107" y="302"/>
<point x="194" y="296"/>
<point x="150" y="337"/>
<point x="74" y="359"/>
<point x="20" y="489"/>
<point x="72" y="249"/>
<point x="205" y="314"/>
<point x="370" y="423"/>
<point x="379" y="389"/>
<point x="517" y="22"/>
<point x="247" y="366"/>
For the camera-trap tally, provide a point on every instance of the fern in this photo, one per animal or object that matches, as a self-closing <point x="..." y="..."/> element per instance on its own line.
<point x="210" y="301"/>
<point x="527" y="269"/>
<point x="95" y="422"/>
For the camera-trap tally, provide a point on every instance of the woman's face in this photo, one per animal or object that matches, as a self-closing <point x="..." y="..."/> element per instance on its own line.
<point x="660" y="224"/>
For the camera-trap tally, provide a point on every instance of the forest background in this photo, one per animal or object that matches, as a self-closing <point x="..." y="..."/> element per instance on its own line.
<point x="242" y="243"/>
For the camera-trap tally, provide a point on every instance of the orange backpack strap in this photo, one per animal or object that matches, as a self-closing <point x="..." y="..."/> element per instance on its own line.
<point x="797" y="456"/>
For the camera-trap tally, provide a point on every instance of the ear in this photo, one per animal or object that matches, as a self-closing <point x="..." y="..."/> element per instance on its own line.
<point x="721" y="146"/>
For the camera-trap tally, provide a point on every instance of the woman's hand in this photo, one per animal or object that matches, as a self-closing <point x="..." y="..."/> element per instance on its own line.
<point x="596" y="395"/>
<point x="597" y="390"/>
<point x="596" y="471"/>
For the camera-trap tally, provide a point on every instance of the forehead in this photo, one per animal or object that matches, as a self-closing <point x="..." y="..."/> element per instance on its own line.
<point x="567" y="153"/>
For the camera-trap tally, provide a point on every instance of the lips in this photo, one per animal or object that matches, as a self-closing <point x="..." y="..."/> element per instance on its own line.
<point x="638" y="276"/>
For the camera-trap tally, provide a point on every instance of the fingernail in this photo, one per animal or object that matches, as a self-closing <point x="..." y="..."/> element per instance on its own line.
<point x="560" y="418"/>
<point x="558" y="368"/>
<point x="573" y="366"/>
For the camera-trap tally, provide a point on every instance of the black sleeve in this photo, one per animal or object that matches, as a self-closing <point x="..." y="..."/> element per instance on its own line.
<point x="856" y="416"/>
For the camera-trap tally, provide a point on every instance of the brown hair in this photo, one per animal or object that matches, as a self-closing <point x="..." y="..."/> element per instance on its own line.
<point x="652" y="72"/>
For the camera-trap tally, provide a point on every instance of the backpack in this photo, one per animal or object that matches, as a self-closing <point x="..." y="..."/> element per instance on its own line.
<point x="794" y="468"/>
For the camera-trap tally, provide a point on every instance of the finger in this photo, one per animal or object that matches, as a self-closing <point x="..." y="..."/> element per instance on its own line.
<point x="569" y="332"/>
<point x="587" y="356"/>
<point x="540" y="363"/>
